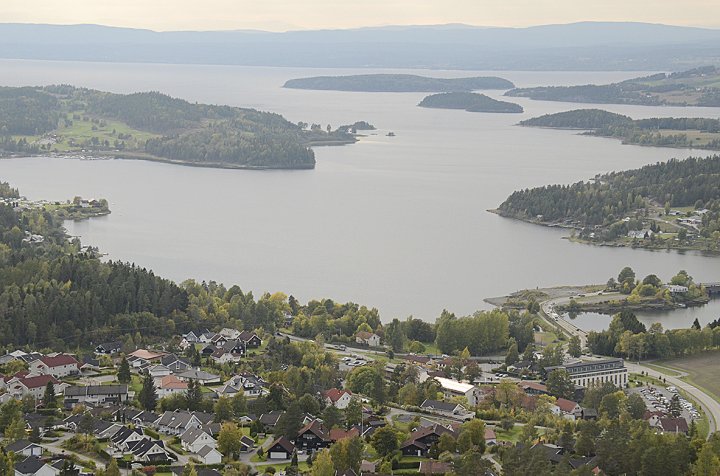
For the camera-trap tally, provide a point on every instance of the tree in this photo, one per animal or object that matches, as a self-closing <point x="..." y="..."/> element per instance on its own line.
<point x="384" y="440"/>
<point x="347" y="454"/>
<point x="194" y="396"/>
<point x="476" y="429"/>
<point x="512" y="355"/>
<point x="323" y="464"/>
<point x="148" y="395"/>
<point x="189" y="470"/>
<point x="49" y="399"/>
<point x="584" y="444"/>
<point x="635" y="406"/>
<point x="395" y="335"/>
<point x="675" y="407"/>
<point x="446" y="443"/>
<point x="223" y="410"/>
<point x="229" y="439"/>
<point x="15" y="430"/>
<point x="86" y="425"/>
<point x="123" y="375"/>
<point x="113" y="470"/>
<point x="612" y="405"/>
<point x="331" y="416"/>
<point x="707" y="463"/>
<point x="353" y="412"/>
<point x="574" y="347"/>
<point x="559" y="384"/>
<point x="290" y="422"/>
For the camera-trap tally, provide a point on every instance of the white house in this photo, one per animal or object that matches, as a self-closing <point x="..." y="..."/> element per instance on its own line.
<point x="338" y="398"/>
<point x="33" y="466"/>
<point x="453" y="388"/>
<point x="209" y="455"/>
<point x="170" y="385"/>
<point x="367" y="338"/>
<point x="34" y="386"/>
<point x="58" y="366"/>
<point x="194" y="439"/>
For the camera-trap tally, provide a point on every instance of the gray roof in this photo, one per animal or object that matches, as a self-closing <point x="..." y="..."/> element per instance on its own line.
<point x="198" y="375"/>
<point x="19" y="445"/>
<point x="77" y="391"/>
<point x="438" y="405"/>
<point x="29" y="465"/>
<point x="193" y="434"/>
<point x="206" y="450"/>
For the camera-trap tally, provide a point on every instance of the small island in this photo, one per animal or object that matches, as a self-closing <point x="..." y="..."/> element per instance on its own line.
<point x="70" y="121"/>
<point x="669" y="205"/>
<point x="695" y="87"/>
<point x="471" y="102"/>
<point x="357" y="126"/>
<point x="683" y="132"/>
<point x="397" y="83"/>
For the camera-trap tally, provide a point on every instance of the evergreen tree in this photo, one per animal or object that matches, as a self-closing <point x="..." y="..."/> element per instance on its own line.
<point x="49" y="399"/>
<point x="123" y="375"/>
<point x="148" y="395"/>
<point x="194" y="396"/>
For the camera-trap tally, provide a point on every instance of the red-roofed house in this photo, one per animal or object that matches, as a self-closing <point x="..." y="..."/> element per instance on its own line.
<point x="169" y="385"/>
<point x="673" y="425"/>
<point x="568" y="407"/>
<point x="60" y="365"/>
<point x="337" y="434"/>
<point x="34" y="386"/>
<point x="338" y="398"/>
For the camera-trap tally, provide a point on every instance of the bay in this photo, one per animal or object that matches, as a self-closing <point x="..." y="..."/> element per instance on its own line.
<point x="398" y="223"/>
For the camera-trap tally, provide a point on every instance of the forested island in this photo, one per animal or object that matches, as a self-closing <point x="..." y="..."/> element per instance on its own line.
<point x="471" y="102"/>
<point x="695" y="87"/>
<point x="396" y="83"/>
<point x="669" y="205"/>
<point x="697" y="133"/>
<point x="153" y="126"/>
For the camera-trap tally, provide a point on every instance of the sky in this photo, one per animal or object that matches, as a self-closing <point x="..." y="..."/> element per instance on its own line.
<point x="283" y="15"/>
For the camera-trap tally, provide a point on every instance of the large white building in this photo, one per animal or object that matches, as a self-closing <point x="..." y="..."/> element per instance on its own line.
<point x="586" y="374"/>
<point x="453" y="388"/>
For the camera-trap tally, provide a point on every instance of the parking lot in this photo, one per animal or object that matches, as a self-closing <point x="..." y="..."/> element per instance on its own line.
<point x="658" y="399"/>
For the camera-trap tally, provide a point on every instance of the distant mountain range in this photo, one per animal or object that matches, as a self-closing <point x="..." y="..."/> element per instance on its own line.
<point x="576" y="46"/>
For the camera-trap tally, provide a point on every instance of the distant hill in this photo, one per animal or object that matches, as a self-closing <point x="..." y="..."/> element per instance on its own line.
<point x="577" y="46"/>
<point x="694" y="87"/>
<point x="398" y="83"/>
<point x="471" y="102"/>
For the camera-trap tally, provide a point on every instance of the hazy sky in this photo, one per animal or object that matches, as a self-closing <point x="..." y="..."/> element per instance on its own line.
<point x="312" y="14"/>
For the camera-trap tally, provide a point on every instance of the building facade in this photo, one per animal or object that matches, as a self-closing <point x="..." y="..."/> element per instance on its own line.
<point x="586" y="374"/>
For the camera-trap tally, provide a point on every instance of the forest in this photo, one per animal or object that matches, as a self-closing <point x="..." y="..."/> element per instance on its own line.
<point x="608" y="198"/>
<point x="152" y="125"/>
<point x="696" y="87"/>
<point x="699" y="133"/>
<point x="397" y="83"/>
<point x="471" y="102"/>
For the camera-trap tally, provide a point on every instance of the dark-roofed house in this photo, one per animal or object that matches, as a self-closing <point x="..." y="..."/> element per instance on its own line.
<point x="125" y="438"/>
<point x="454" y="410"/>
<point x="108" y="348"/>
<point x="33" y="466"/>
<point x="269" y="420"/>
<point x="282" y="448"/>
<point x="313" y="436"/>
<point x="200" y="376"/>
<point x="420" y="440"/>
<point x="672" y="425"/>
<point x="250" y="339"/>
<point x="150" y="451"/>
<point x="96" y="395"/>
<point x="246" y="443"/>
<point x="178" y="422"/>
<point x="24" y="448"/>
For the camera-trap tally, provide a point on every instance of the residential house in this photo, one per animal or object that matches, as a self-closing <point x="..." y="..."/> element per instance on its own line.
<point x="672" y="425"/>
<point x="246" y="444"/>
<point x="150" y="451"/>
<point x="194" y="439"/>
<point x="452" y="410"/>
<point x="96" y="395"/>
<point x="59" y="366"/>
<point x="420" y="440"/>
<point x="338" y="398"/>
<point x="158" y="371"/>
<point x="282" y="448"/>
<point x="33" y="466"/>
<point x="199" y="376"/>
<point x="34" y="386"/>
<point x="109" y="348"/>
<point x="175" y="363"/>
<point x="337" y="434"/>
<point x="432" y="467"/>
<point x="250" y="339"/>
<point x="269" y="420"/>
<point x="147" y="355"/>
<point x="490" y="437"/>
<point x="367" y="338"/>
<point x="178" y="422"/>
<point x="313" y="436"/>
<point x="248" y="384"/>
<point x="24" y="448"/>
<point x="125" y="438"/>
<point x="209" y="455"/>
<point x="534" y="388"/>
<point x="452" y="388"/>
<point x="170" y="385"/>
<point x="568" y="408"/>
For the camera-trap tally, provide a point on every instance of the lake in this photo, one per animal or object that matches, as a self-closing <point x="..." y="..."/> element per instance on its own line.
<point x="398" y="223"/>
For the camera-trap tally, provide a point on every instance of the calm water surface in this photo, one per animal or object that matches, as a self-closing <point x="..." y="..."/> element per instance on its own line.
<point x="398" y="223"/>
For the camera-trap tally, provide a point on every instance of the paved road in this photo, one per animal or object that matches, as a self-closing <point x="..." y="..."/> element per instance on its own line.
<point x="709" y="405"/>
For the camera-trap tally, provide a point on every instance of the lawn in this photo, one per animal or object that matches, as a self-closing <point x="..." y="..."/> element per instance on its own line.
<point x="662" y="370"/>
<point x="545" y="338"/>
<point x="703" y="370"/>
<point x="512" y="435"/>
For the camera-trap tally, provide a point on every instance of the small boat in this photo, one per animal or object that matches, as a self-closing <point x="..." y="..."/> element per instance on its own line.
<point x="391" y="134"/>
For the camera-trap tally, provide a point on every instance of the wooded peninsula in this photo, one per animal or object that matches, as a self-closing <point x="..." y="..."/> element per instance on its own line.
<point x="697" y="133"/>
<point x="153" y="126"/>
<point x="397" y="83"/>
<point x="669" y="205"/>
<point x="695" y="87"/>
<point x="471" y="102"/>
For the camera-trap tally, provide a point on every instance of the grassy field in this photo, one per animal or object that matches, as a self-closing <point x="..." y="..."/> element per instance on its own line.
<point x="703" y="370"/>
<point x="662" y="370"/>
